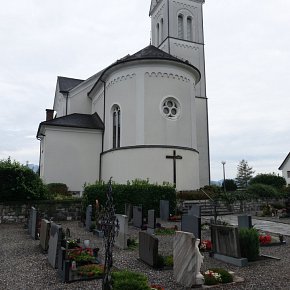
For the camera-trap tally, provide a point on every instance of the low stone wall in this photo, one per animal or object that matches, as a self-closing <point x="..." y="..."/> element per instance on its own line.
<point x="15" y="212"/>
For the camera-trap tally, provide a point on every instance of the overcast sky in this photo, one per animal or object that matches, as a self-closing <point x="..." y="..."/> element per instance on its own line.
<point x="247" y="45"/>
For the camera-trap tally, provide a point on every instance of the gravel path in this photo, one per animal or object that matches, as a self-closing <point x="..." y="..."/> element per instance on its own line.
<point x="23" y="266"/>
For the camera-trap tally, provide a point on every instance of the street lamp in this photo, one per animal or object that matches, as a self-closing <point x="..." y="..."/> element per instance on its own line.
<point x="224" y="163"/>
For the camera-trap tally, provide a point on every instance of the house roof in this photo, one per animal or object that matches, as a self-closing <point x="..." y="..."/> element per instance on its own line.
<point x="284" y="162"/>
<point x="75" y="121"/>
<point x="148" y="53"/>
<point x="66" y="84"/>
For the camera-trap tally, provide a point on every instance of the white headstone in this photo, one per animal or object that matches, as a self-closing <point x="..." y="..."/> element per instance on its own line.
<point x="187" y="259"/>
<point x="121" y="238"/>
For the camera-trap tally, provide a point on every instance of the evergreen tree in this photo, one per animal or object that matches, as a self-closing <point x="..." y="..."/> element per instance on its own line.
<point x="245" y="173"/>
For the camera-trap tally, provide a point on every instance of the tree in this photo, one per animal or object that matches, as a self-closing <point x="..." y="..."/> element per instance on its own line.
<point x="269" y="179"/>
<point x="230" y="185"/>
<point x="245" y="173"/>
<point x="18" y="182"/>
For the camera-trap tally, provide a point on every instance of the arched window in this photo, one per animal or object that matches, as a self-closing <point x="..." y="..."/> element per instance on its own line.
<point x="180" y="27"/>
<point x="161" y="30"/>
<point x="189" y="29"/>
<point x="116" y="126"/>
<point x="157" y="34"/>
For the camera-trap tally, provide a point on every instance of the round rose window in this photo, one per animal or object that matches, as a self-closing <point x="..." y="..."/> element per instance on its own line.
<point x="170" y="108"/>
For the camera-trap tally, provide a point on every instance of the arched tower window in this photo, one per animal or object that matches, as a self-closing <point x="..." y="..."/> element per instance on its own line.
<point x="189" y="29"/>
<point x="161" y="30"/>
<point x="157" y="34"/>
<point x="180" y="27"/>
<point x="116" y="126"/>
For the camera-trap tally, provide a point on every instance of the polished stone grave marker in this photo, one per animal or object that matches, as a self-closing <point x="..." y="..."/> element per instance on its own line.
<point x="129" y="211"/>
<point x="121" y="238"/>
<point x="54" y="244"/>
<point x="137" y="216"/>
<point x="34" y="223"/>
<point x="30" y="222"/>
<point x="148" y="249"/>
<point x="151" y="222"/>
<point x="245" y="221"/>
<point x="89" y="213"/>
<point x="44" y="234"/>
<point x="164" y="210"/>
<point x="195" y="210"/>
<point x="226" y="244"/>
<point x="191" y="224"/>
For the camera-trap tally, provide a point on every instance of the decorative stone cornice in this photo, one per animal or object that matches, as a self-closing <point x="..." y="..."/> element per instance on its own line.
<point x="120" y="79"/>
<point x="167" y="75"/>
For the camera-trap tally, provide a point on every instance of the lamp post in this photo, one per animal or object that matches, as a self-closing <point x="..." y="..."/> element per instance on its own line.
<point x="224" y="172"/>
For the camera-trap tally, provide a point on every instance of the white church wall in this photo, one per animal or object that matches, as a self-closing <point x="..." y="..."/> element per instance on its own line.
<point x="158" y="35"/>
<point x="98" y="104"/>
<point x="73" y="159"/>
<point x="129" y="164"/>
<point x="59" y="105"/>
<point x="121" y="91"/>
<point x="202" y="140"/>
<point x="160" y="83"/>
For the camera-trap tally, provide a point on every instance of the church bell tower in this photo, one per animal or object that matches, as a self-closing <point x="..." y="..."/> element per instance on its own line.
<point x="177" y="28"/>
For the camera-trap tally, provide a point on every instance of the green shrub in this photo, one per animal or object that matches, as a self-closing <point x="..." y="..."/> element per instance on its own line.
<point x="262" y="191"/>
<point x="269" y="179"/>
<point x="249" y="243"/>
<point x="136" y="193"/>
<point x="168" y="261"/>
<point x="225" y="275"/>
<point x="129" y="280"/>
<point x="210" y="280"/>
<point x="212" y="190"/>
<point x="57" y="188"/>
<point x="19" y="183"/>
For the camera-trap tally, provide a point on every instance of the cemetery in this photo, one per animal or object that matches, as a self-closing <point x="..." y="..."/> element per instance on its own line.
<point x="196" y="251"/>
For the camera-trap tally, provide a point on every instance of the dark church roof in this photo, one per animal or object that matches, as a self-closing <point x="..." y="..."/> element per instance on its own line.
<point x="76" y="121"/>
<point x="66" y="84"/>
<point x="150" y="52"/>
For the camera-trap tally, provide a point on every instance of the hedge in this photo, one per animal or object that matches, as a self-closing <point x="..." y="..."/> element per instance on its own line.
<point x="137" y="193"/>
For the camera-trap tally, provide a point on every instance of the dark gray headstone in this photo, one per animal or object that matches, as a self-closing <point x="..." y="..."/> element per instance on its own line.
<point x="30" y="222"/>
<point x="63" y="265"/>
<point x="44" y="234"/>
<point x="137" y="216"/>
<point x="151" y="222"/>
<point x="245" y="221"/>
<point x="191" y="224"/>
<point x="129" y="211"/>
<point x="195" y="210"/>
<point x="148" y="249"/>
<point x="54" y="244"/>
<point x="164" y="210"/>
<point x="33" y="223"/>
<point x="89" y="213"/>
<point x="225" y="240"/>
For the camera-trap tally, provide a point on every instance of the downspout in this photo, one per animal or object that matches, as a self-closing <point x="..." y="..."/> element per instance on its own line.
<point x="168" y="27"/>
<point x="39" y="161"/>
<point x="66" y="103"/>
<point x="104" y="118"/>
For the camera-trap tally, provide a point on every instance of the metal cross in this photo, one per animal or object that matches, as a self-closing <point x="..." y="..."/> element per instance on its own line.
<point x="174" y="157"/>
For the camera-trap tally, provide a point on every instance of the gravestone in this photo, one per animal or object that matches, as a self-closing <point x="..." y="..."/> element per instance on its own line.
<point x="191" y="224"/>
<point x="245" y="221"/>
<point x="195" y="210"/>
<point x="226" y="244"/>
<point x="187" y="259"/>
<point x="151" y="222"/>
<point x="148" y="249"/>
<point x="121" y="238"/>
<point x="89" y="213"/>
<point x="44" y="234"/>
<point x="30" y="222"/>
<point x="129" y="211"/>
<point x="54" y="244"/>
<point x="137" y="216"/>
<point x="34" y="223"/>
<point x="164" y="210"/>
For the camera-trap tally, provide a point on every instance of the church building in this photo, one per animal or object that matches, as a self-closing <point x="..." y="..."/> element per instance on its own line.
<point x="143" y="117"/>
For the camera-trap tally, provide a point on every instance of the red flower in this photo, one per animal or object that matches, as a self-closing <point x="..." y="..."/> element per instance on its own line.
<point x="157" y="287"/>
